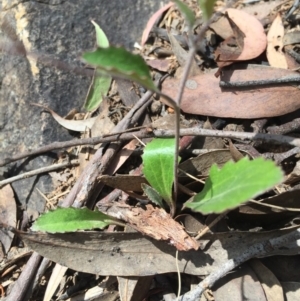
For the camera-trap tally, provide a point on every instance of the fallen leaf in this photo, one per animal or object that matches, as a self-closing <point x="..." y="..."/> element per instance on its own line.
<point x="132" y="254"/>
<point x="201" y="164"/>
<point x="242" y="285"/>
<point x="203" y="96"/>
<point x="121" y="157"/>
<point x="255" y="41"/>
<point x="247" y="35"/>
<point x="152" y="21"/>
<point x="54" y="281"/>
<point x="271" y="285"/>
<point x="182" y="55"/>
<point x="161" y="65"/>
<point x="292" y="290"/>
<point x="290" y="38"/>
<point x="72" y="125"/>
<point x="8" y="213"/>
<point x="134" y="288"/>
<point x="275" y="36"/>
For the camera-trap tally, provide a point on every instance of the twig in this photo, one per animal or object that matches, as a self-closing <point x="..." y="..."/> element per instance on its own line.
<point x="257" y="250"/>
<point x="255" y="83"/>
<point x="22" y="289"/>
<point x="279" y="157"/>
<point x="292" y="126"/>
<point x="274" y="206"/>
<point x="39" y="171"/>
<point x="208" y="227"/>
<point x="278" y="139"/>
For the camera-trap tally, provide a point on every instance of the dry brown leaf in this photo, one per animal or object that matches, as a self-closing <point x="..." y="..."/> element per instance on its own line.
<point x="271" y="285"/>
<point x="54" y="281"/>
<point x="134" y="288"/>
<point x="73" y="125"/>
<point x="121" y="157"/>
<point x="8" y="213"/>
<point x="246" y="35"/>
<point x="201" y="164"/>
<point x="182" y="55"/>
<point x="255" y="41"/>
<point x="275" y="36"/>
<point x="204" y="96"/>
<point x="152" y="21"/>
<point x="239" y="285"/>
<point x="161" y="65"/>
<point x="132" y="254"/>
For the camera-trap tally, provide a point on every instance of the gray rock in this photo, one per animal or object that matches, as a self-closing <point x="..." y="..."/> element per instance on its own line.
<point x="63" y="30"/>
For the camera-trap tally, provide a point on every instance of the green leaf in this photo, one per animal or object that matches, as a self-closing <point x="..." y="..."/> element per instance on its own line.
<point x="234" y="184"/>
<point x="158" y="159"/>
<point x="101" y="38"/>
<point x="153" y="195"/>
<point x="187" y="12"/>
<point x="101" y="84"/>
<point x="99" y="88"/>
<point x="71" y="219"/>
<point x="207" y="7"/>
<point x="119" y="62"/>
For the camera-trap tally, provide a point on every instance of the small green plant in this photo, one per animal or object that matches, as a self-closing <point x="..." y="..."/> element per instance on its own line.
<point x="100" y="84"/>
<point x="224" y="189"/>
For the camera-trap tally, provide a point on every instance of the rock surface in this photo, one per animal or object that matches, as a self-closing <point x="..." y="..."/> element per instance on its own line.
<point x="63" y="30"/>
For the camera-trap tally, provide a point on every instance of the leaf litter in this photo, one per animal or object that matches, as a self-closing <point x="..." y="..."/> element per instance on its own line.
<point x="137" y="254"/>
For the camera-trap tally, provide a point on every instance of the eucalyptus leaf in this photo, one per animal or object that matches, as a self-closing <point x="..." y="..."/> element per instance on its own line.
<point x="158" y="160"/>
<point x="117" y="61"/>
<point x="207" y="7"/>
<point x="71" y="219"/>
<point x="187" y="12"/>
<point x="234" y="184"/>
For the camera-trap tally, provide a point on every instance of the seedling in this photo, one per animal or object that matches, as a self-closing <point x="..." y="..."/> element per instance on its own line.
<point x="224" y="189"/>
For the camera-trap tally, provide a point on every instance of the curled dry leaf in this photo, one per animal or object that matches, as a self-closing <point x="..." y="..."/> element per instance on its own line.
<point x="203" y="96"/>
<point x="152" y="21"/>
<point x="249" y="35"/>
<point x="275" y="55"/>
<point x="72" y="125"/>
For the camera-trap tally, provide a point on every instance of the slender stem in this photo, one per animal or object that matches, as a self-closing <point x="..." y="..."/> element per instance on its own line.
<point x="39" y="171"/>
<point x="159" y="133"/>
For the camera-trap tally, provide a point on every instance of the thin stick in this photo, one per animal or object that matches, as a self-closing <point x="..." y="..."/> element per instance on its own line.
<point x="278" y="139"/>
<point x="265" y="82"/>
<point x="208" y="227"/>
<point x="39" y="171"/>
<point x="260" y="249"/>
<point x="274" y="206"/>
